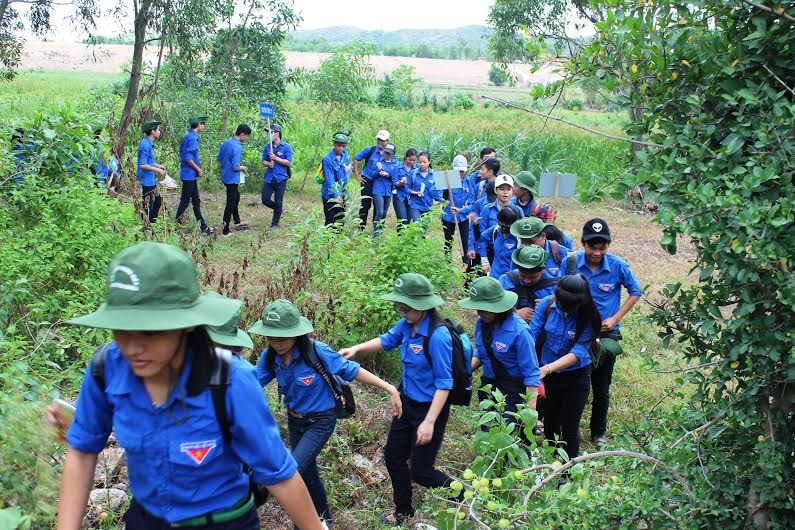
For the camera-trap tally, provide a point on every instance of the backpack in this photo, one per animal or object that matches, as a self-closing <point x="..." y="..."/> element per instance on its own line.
<point x="320" y="177"/>
<point x="344" y="404"/>
<point x="461" y="394"/>
<point x="527" y="293"/>
<point x="571" y="263"/>
<point x="219" y="381"/>
<point x="545" y="211"/>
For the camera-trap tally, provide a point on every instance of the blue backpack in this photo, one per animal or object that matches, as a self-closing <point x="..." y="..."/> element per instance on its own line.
<point x="461" y="394"/>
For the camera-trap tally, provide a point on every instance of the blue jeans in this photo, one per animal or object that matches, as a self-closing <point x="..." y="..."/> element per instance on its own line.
<point x="414" y="215"/>
<point x="308" y="436"/>
<point x="401" y="209"/>
<point x="381" y="208"/>
<point x="268" y="191"/>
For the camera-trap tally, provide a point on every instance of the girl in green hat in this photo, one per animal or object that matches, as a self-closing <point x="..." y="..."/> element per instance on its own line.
<point x="417" y="435"/>
<point x="302" y="366"/>
<point x="152" y="386"/>
<point x="504" y="347"/>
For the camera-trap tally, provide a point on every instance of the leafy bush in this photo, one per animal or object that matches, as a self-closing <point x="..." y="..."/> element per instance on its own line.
<point x="497" y="76"/>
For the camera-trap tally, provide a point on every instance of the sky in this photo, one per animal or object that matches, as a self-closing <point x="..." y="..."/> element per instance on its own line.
<point x="365" y="14"/>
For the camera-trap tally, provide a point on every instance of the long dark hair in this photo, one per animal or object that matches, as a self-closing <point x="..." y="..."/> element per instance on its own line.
<point x="203" y="359"/>
<point x="487" y="330"/>
<point x="304" y="342"/>
<point x="573" y="294"/>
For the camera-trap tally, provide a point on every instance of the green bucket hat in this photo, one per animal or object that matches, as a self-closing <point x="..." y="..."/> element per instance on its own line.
<point x="229" y="334"/>
<point x="281" y="318"/>
<point x="195" y="120"/>
<point x="155" y="287"/>
<point x="341" y="138"/>
<point x="529" y="257"/>
<point x="150" y="126"/>
<point x="610" y="345"/>
<point x="486" y="294"/>
<point x="414" y="290"/>
<point x="527" y="227"/>
<point x="526" y="180"/>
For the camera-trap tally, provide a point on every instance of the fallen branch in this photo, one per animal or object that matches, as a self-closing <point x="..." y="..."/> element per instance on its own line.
<point x="561" y="120"/>
<point x="699" y="430"/>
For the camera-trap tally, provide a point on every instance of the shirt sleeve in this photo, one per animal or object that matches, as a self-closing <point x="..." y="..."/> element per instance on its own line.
<point x="255" y="436"/>
<point x="192" y="149"/>
<point x="539" y="316"/>
<point x="478" y="340"/>
<point x="264" y="375"/>
<point x="484" y="241"/>
<point x="288" y="152"/>
<point x="361" y="155"/>
<point x="336" y="363"/>
<point x="629" y="281"/>
<point x="471" y="238"/>
<point x="265" y="154"/>
<point x="441" y="346"/>
<point x="580" y="348"/>
<point x="141" y="154"/>
<point x="394" y="337"/>
<point x="237" y="156"/>
<point x="526" y="356"/>
<point x="93" y="419"/>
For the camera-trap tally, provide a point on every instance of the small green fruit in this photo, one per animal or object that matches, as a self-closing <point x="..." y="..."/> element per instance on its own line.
<point x="518" y="474"/>
<point x="504" y="523"/>
<point x="456" y="486"/>
<point x="468" y="474"/>
<point x="468" y="494"/>
<point x="581" y="493"/>
<point x="497" y="482"/>
<point x="483" y="490"/>
<point x="491" y="505"/>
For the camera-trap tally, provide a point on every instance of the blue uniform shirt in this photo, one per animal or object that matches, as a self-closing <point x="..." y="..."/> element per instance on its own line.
<point x="527" y="209"/>
<point x="554" y="268"/>
<point x="508" y="285"/>
<point x="279" y="172"/>
<point x="420" y="380"/>
<point x="146" y="155"/>
<point x="189" y="150"/>
<point x="230" y="156"/>
<point x="179" y="464"/>
<point x="401" y="172"/>
<point x="513" y="346"/>
<point x="335" y="175"/>
<point x="427" y="185"/>
<point x="560" y="331"/>
<point x="607" y="281"/>
<point x="504" y="245"/>
<point x="464" y="198"/>
<point x="382" y="185"/>
<point x="369" y="171"/>
<point x="304" y="390"/>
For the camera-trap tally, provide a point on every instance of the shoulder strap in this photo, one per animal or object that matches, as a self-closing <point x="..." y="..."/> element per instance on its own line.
<point x="427" y="339"/>
<point x="219" y="381"/>
<point x="317" y="365"/>
<point x="549" y="309"/>
<point x="98" y="365"/>
<point x="555" y="251"/>
<point x="369" y="154"/>
<point x="571" y="263"/>
<point x="499" y="369"/>
<point x="520" y="288"/>
<point x="513" y="275"/>
<point x="543" y="284"/>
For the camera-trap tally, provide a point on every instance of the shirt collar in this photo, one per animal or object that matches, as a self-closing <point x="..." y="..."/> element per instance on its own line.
<point x="129" y="383"/>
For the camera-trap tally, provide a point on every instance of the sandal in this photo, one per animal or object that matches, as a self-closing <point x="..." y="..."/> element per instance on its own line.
<point x="394" y="519"/>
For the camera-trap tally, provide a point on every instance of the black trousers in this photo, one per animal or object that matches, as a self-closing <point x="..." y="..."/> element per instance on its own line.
<point x="151" y="201"/>
<point x="600" y="383"/>
<point x="366" y="201"/>
<point x="406" y="461"/>
<point x="137" y="518"/>
<point x="333" y="211"/>
<point x="567" y="393"/>
<point x="449" y="235"/>
<point x="232" y="202"/>
<point x="190" y="194"/>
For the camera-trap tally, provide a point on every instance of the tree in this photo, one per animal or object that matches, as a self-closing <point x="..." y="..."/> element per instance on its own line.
<point x="497" y="76"/>
<point x="386" y="93"/>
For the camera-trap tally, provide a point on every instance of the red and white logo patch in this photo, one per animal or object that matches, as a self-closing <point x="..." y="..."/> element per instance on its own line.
<point x="509" y="246"/>
<point x="572" y="334"/>
<point x="307" y="380"/>
<point x="554" y="270"/>
<point x="605" y="286"/>
<point x="197" y="451"/>
<point x="499" y="345"/>
<point x="416" y="348"/>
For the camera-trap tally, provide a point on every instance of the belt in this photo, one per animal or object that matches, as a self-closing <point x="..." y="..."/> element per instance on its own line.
<point x="221" y="516"/>
<point x="299" y="416"/>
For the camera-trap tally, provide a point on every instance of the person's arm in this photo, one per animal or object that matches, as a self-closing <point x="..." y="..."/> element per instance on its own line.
<point x="425" y="430"/>
<point x="611" y="322"/>
<point x="371" y="379"/>
<point x="237" y="159"/>
<point x="562" y="363"/>
<point x="293" y="496"/>
<point x="266" y="160"/>
<point x="475" y="364"/>
<point x="287" y="161"/>
<point x="196" y="168"/>
<point x="371" y="346"/>
<point x="78" y="478"/>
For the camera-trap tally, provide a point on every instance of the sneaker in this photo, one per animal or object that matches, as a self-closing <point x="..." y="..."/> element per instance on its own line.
<point x="207" y="231"/>
<point x="226" y="230"/>
<point x="241" y="226"/>
<point x="599" y="442"/>
<point x="394" y="519"/>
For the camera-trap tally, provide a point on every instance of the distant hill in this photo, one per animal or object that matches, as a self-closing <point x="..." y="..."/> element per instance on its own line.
<point x="468" y="42"/>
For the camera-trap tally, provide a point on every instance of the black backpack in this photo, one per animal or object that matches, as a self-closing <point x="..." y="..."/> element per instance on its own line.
<point x="527" y="294"/>
<point x="571" y="263"/>
<point x="461" y="394"/>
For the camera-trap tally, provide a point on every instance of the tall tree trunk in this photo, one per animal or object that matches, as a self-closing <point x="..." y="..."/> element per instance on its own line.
<point x="3" y="8"/>
<point x="141" y="23"/>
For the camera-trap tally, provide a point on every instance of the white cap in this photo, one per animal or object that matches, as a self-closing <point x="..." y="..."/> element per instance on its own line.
<point x="502" y="180"/>
<point x="460" y="163"/>
<point x="382" y="135"/>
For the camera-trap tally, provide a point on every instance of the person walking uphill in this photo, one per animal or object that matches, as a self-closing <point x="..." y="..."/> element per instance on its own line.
<point x="606" y="274"/>
<point x="417" y="435"/>
<point x="153" y="385"/>
<point x="335" y="179"/>
<point x="147" y="169"/>
<point x="230" y="157"/>
<point x="372" y="156"/>
<point x="302" y="366"/>
<point x="190" y="171"/>
<point x="278" y="158"/>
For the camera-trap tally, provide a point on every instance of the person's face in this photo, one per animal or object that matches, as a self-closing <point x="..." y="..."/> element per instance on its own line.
<point x="520" y="193"/>
<point x="532" y="276"/>
<point x="156" y="133"/>
<point x="281" y="345"/>
<point x="490" y="155"/>
<point x="505" y="227"/>
<point x="412" y="316"/>
<point x="380" y="143"/>
<point x="504" y="193"/>
<point x="244" y="137"/>
<point x="424" y="163"/>
<point x="487" y="317"/>
<point x="540" y="240"/>
<point x="339" y="148"/>
<point x="200" y="127"/>
<point x="595" y="252"/>
<point x="150" y="352"/>
<point x="411" y="160"/>
<point x="388" y="156"/>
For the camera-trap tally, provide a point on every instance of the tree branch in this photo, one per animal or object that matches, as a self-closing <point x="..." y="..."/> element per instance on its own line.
<point x="777" y="78"/>
<point x="699" y="430"/>
<point x="561" y="120"/>
<point x="763" y="7"/>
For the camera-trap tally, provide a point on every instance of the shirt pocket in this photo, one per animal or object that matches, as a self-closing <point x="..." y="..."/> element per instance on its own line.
<point x="194" y="458"/>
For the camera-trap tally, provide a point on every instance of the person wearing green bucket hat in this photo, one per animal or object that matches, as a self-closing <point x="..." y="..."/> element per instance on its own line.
<point x="524" y="185"/>
<point x="530" y="231"/>
<point x="566" y="324"/>
<point x="504" y="347"/>
<point x="303" y="368"/>
<point x="427" y="379"/>
<point x="529" y="280"/>
<point x="152" y="386"/>
<point x="229" y="335"/>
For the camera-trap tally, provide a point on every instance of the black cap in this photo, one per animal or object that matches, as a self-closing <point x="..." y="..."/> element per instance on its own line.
<point x="596" y="228"/>
<point x="276" y="128"/>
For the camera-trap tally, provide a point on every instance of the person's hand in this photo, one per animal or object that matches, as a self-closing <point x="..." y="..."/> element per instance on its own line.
<point x="379" y="166"/>
<point x="525" y="313"/>
<point x="348" y="353"/>
<point x="486" y="268"/>
<point x="471" y="254"/>
<point x="200" y="173"/>
<point x="454" y="210"/>
<point x="340" y="200"/>
<point x="473" y="217"/>
<point x="243" y="169"/>
<point x="609" y="323"/>
<point x="425" y="432"/>
<point x="359" y="178"/>
<point x="401" y="182"/>
<point x="160" y="170"/>
<point x="544" y="373"/>
<point x="397" y="404"/>
<point x="272" y="156"/>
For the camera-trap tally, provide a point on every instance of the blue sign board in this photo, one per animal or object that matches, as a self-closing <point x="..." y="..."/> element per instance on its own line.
<point x="266" y="110"/>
